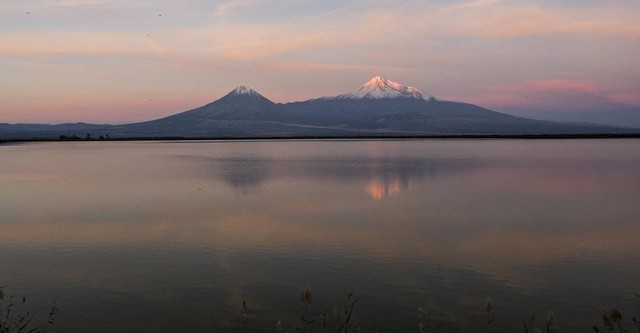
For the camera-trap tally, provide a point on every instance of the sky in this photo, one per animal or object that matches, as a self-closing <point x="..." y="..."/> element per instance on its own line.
<point x="120" y="61"/>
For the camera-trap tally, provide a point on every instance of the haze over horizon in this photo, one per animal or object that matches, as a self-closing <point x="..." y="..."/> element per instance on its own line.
<point x="114" y="61"/>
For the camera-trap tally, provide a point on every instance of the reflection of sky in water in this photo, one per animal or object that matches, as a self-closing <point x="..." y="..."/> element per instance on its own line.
<point x="121" y="228"/>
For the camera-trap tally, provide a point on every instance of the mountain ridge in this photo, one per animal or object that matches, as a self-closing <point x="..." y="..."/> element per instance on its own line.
<point x="377" y="108"/>
<point x="380" y="88"/>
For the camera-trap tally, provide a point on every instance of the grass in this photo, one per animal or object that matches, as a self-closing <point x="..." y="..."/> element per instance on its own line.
<point x="613" y="321"/>
<point x="14" y="318"/>
<point x="342" y="319"/>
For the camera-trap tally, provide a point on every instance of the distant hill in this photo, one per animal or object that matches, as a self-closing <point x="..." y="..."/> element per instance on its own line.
<point x="40" y="131"/>
<point x="380" y="107"/>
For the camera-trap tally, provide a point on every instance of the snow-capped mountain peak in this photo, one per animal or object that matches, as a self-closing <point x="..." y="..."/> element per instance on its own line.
<point x="379" y="87"/>
<point x="243" y="90"/>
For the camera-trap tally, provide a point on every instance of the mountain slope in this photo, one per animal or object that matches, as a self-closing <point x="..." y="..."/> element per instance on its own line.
<point x="232" y="113"/>
<point x="381" y="88"/>
<point x="377" y="108"/>
<point x="241" y="113"/>
<point x="385" y="105"/>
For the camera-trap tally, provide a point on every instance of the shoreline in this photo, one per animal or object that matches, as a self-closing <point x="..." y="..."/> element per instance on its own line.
<point x="344" y="137"/>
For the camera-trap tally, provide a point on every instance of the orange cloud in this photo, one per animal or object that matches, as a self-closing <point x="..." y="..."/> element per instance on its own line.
<point x="414" y="39"/>
<point x="24" y="43"/>
<point x="277" y="66"/>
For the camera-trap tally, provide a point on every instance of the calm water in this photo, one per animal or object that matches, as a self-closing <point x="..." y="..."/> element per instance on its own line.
<point x="172" y="236"/>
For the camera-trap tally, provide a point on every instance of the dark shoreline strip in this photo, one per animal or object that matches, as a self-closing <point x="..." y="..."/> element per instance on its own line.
<point x="351" y="137"/>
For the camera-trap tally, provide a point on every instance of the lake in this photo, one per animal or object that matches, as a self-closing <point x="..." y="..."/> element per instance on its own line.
<point x="173" y="236"/>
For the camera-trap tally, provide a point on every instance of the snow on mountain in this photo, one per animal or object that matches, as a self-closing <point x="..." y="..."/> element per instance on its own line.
<point x="242" y="90"/>
<point x="379" y="87"/>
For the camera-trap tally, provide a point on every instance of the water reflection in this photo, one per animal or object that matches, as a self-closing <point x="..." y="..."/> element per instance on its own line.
<point x="437" y="224"/>
<point x="243" y="174"/>
<point x="379" y="189"/>
<point x="381" y="176"/>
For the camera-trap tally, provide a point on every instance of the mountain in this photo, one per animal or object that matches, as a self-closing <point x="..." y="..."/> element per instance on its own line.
<point x="241" y="108"/>
<point x="241" y="113"/>
<point x="377" y="108"/>
<point x="381" y="88"/>
<point x="385" y="106"/>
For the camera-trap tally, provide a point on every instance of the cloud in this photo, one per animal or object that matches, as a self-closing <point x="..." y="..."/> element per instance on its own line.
<point x="80" y="3"/>
<point x="225" y="9"/>
<point x="280" y="67"/>
<point x="553" y="94"/>
<point x="552" y="85"/>
<point x="628" y="98"/>
<point x="401" y="27"/>
<point x="457" y="50"/>
<point x="79" y="43"/>
<point x="476" y="3"/>
<point x="513" y="19"/>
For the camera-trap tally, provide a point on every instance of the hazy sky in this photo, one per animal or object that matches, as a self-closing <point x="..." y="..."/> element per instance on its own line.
<point x="116" y="61"/>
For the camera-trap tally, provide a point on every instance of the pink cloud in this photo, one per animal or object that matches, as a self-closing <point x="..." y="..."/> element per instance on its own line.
<point x="625" y="98"/>
<point x="564" y="85"/>
<point x="533" y="92"/>
<point x="552" y="93"/>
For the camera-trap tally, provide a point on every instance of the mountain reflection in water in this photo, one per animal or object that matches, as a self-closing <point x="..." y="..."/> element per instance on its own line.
<point x="381" y="176"/>
<point x="154" y="231"/>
